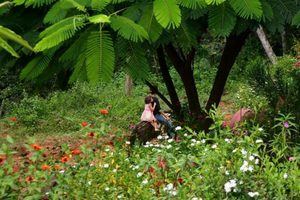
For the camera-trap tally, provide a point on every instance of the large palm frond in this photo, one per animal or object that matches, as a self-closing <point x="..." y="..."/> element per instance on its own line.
<point x="60" y="32"/>
<point x="167" y="13"/>
<point x="221" y="20"/>
<point x="248" y="9"/>
<point x="128" y="28"/>
<point x="100" y="56"/>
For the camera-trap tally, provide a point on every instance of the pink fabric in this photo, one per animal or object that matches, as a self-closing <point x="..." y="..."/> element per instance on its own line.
<point x="147" y="115"/>
<point x="238" y="117"/>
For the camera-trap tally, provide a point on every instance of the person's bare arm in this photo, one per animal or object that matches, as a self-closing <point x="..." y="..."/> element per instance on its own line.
<point x="152" y="107"/>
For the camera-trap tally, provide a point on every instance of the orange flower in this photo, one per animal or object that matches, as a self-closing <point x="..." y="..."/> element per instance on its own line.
<point x="13" y="119"/>
<point x="29" y="179"/>
<point x="180" y="180"/>
<point x="103" y="111"/>
<point x="76" y="152"/>
<point x="84" y="124"/>
<point x="57" y="167"/>
<point x="65" y="159"/>
<point x="162" y="163"/>
<point x="91" y="134"/>
<point x="36" y="147"/>
<point x="45" y="167"/>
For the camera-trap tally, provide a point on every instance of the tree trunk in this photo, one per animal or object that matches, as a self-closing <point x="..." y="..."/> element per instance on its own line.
<point x="169" y="83"/>
<point x="183" y="67"/>
<point x="128" y="85"/>
<point x="283" y="40"/>
<point x="266" y="44"/>
<point x="232" y="48"/>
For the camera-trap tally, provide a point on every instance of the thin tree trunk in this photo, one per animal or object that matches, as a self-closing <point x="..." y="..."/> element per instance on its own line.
<point x="184" y="68"/>
<point x="283" y="40"/>
<point x="156" y="91"/>
<point x="266" y="44"/>
<point x="128" y="85"/>
<point x="169" y="82"/>
<point x="2" y="107"/>
<point x="232" y="48"/>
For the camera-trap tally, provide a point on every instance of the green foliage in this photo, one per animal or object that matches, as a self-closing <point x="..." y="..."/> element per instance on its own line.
<point x="222" y="20"/>
<point x="193" y="4"/>
<point x="296" y="19"/>
<point x="167" y="13"/>
<point x="128" y="29"/>
<point x="247" y="8"/>
<point x="100" y="56"/>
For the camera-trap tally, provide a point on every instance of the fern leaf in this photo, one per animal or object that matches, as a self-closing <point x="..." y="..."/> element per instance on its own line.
<point x="7" y="34"/>
<point x="128" y="29"/>
<point x="221" y="20"/>
<point x="59" y="32"/>
<point x="193" y="4"/>
<point x="296" y="20"/>
<point x="132" y="57"/>
<point x="100" y="57"/>
<point x="286" y="9"/>
<point x="79" y="72"/>
<point x="248" y="9"/>
<point x="99" y="5"/>
<point x="150" y="24"/>
<point x="167" y="13"/>
<point x="96" y="19"/>
<point x="8" y="48"/>
<point x="57" y="12"/>
<point x="187" y="36"/>
<point x="214" y="2"/>
<point x="76" y="5"/>
<point x="35" y="3"/>
<point x="35" y="67"/>
<point x="267" y="11"/>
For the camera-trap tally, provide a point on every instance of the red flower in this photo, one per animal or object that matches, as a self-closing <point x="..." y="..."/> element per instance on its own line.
<point x="65" y="159"/>
<point x="36" y="147"/>
<point x="180" y="180"/>
<point x="57" y="167"/>
<point x="2" y="160"/>
<point x="103" y="111"/>
<point x="91" y="134"/>
<point x="13" y="119"/>
<point x="297" y="64"/>
<point x="76" y="152"/>
<point x="151" y="170"/>
<point x="45" y="167"/>
<point x="162" y="163"/>
<point x="84" y="124"/>
<point x="29" y="179"/>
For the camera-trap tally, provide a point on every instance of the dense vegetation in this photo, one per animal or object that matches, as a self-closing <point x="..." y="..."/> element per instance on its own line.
<point x="66" y="110"/>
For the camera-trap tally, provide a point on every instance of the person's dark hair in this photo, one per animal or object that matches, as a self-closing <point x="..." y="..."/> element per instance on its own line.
<point x="148" y="99"/>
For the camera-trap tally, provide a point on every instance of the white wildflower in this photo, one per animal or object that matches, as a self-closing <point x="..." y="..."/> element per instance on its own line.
<point x="89" y="182"/>
<point x="106" y="189"/>
<point x="151" y="145"/>
<point x="170" y="140"/>
<point x="145" y="182"/>
<point x="169" y="146"/>
<point x="250" y="168"/>
<point x="230" y="185"/>
<point x="253" y="194"/>
<point x="114" y="170"/>
<point x="214" y="146"/>
<point x="241" y="182"/>
<point x="251" y="158"/>
<point x="139" y="174"/>
<point x="135" y="167"/>
<point x="147" y="143"/>
<point x="156" y="145"/>
<point x="285" y="176"/>
<point x="62" y="171"/>
<point x="178" y="128"/>
<point x="244" y="167"/>
<point x="159" y="137"/>
<point x="127" y="142"/>
<point x="169" y="187"/>
<point x="166" y="137"/>
<point x="260" y="129"/>
<point x="174" y="192"/>
<point x="259" y="141"/>
<point x="227" y="172"/>
<point x="105" y="166"/>
<point x="228" y="140"/>
<point x="234" y="150"/>
<point x="193" y="140"/>
<point x="120" y="196"/>
<point x="256" y="161"/>
<point x="203" y="141"/>
<point x="185" y="134"/>
<point x="244" y="152"/>
<point x="193" y="144"/>
<point x="107" y="150"/>
<point x="198" y="142"/>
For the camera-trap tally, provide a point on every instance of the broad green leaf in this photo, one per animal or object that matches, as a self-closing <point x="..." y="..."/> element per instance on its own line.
<point x="128" y="28"/>
<point x="99" y="4"/>
<point x="96" y="19"/>
<point x="7" y="34"/>
<point x="167" y="13"/>
<point x="221" y="20"/>
<point x="193" y="4"/>
<point x="8" y="48"/>
<point x="296" y="19"/>
<point x="248" y="9"/>
<point x="216" y="2"/>
<point x="267" y="11"/>
<point x="100" y="57"/>
<point x="150" y="24"/>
